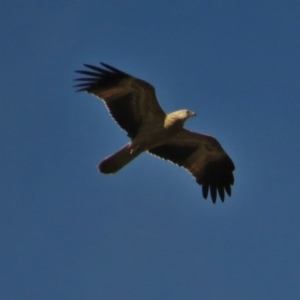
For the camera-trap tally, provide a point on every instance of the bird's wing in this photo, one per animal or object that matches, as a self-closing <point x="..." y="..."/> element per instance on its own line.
<point x="204" y="157"/>
<point x="131" y="101"/>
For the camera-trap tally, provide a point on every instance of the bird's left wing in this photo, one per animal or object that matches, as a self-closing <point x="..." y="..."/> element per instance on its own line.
<point x="203" y="156"/>
<point x="130" y="101"/>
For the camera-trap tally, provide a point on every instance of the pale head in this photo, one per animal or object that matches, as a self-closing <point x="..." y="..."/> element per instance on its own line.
<point x="178" y="118"/>
<point x="184" y="114"/>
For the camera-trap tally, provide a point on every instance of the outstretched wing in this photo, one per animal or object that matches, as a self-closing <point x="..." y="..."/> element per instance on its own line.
<point x="204" y="157"/>
<point x="131" y="101"/>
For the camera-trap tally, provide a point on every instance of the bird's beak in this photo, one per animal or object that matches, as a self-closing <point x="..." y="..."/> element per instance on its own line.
<point x="193" y="114"/>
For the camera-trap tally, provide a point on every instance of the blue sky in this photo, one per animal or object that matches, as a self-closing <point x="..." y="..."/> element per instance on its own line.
<point x="68" y="232"/>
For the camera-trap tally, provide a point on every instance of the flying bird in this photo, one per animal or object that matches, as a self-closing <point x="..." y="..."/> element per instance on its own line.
<point x="133" y="104"/>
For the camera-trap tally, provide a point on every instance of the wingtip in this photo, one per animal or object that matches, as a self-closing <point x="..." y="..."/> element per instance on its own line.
<point x="221" y="193"/>
<point x="213" y="193"/>
<point x="107" y="66"/>
<point x="204" y="191"/>
<point x="81" y="87"/>
<point x="89" y="73"/>
<point x="113" y="69"/>
<point x="80" y="90"/>
<point x="228" y="189"/>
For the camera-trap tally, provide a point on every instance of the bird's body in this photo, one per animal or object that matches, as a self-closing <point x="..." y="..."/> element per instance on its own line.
<point x="159" y="131"/>
<point x="132" y="103"/>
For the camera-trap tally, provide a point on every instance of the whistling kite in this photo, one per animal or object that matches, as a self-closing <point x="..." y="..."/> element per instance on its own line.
<point x="132" y="103"/>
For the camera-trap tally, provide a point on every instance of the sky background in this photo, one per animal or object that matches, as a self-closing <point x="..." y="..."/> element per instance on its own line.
<point x="68" y="232"/>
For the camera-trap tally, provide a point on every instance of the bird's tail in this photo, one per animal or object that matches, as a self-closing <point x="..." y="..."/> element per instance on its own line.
<point x="117" y="161"/>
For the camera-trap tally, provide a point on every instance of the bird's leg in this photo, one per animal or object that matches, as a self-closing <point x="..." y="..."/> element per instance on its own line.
<point x="134" y="149"/>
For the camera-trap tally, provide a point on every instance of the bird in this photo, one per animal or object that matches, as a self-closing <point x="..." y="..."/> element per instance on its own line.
<point x="133" y="104"/>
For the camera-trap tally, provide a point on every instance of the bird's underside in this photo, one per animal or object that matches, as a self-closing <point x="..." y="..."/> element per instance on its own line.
<point x="132" y="103"/>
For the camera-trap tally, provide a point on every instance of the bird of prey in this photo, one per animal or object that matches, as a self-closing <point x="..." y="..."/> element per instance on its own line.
<point x="133" y="104"/>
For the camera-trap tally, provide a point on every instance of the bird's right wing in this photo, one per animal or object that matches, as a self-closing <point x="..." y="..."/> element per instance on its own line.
<point x="131" y="101"/>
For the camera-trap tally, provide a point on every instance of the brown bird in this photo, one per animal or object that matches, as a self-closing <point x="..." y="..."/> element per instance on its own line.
<point x="132" y="103"/>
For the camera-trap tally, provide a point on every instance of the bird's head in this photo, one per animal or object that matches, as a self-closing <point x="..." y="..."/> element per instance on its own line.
<point x="184" y="114"/>
<point x="178" y="117"/>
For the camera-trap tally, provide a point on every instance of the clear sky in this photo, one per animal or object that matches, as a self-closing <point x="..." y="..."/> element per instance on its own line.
<point x="69" y="232"/>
